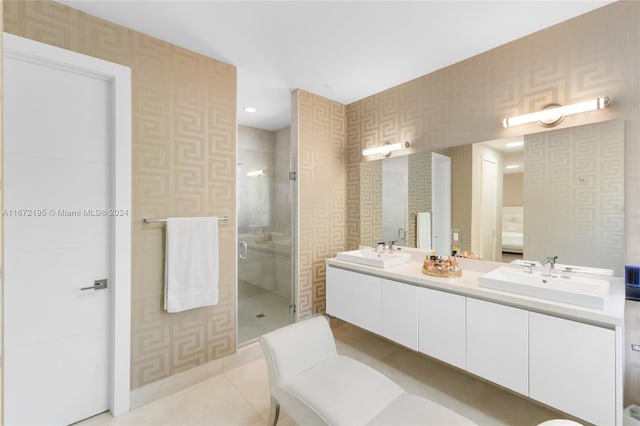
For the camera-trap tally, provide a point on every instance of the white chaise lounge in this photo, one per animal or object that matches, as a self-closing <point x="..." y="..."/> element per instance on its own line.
<point x="316" y="386"/>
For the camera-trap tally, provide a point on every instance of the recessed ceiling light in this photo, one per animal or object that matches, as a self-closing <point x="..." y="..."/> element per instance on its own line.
<point x="250" y="109"/>
<point x="511" y="166"/>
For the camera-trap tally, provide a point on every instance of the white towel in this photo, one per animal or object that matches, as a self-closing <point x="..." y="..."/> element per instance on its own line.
<point x="191" y="263"/>
<point x="423" y="230"/>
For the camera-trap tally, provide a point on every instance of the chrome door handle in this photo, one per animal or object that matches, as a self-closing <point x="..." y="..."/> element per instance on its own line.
<point x="244" y="250"/>
<point x="97" y="285"/>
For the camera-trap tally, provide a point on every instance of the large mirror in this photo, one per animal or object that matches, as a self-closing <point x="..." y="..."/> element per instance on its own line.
<point x="555" y="193"/>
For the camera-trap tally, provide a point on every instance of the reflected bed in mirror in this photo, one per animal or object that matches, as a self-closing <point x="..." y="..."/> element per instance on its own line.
<point x="565" y="198"/>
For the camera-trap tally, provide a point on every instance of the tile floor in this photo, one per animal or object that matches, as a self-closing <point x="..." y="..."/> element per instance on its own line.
<point x="254" y="301"/>
<point x="241" y="396"/>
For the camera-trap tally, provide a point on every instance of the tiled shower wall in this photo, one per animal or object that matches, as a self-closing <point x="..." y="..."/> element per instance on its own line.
<point x="184" y="164"/>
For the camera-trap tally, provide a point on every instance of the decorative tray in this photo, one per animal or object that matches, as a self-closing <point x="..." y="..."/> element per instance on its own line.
<point x="443" y="267"/>
<point x="442" y="274"/>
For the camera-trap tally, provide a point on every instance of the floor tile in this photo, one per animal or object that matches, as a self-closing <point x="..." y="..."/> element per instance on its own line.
<point x="240" y="396"/>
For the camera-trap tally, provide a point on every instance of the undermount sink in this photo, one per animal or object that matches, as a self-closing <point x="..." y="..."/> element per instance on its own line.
<point x="369" y="256"/>
<point x="576" y="290"/>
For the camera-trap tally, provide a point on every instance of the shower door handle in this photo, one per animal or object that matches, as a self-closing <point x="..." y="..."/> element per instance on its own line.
<point x="244" y="250"/>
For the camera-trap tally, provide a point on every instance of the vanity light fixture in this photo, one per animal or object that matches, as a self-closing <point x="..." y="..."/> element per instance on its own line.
<point x="511" y="166"/>
<point x="514" y="144"/>
<point x="250" y="109"/>
<point x="552" y="114"/>
<point x="385" y="149"/>
<point x="259" y="172"/>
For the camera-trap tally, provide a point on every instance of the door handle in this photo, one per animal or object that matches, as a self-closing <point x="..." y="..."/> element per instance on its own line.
<point x="97" y="285"/>
<point x="244" y="250"/>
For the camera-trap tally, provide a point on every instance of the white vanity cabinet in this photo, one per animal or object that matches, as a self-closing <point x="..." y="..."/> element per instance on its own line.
<point x="355" y="298"/>
<point x="498" y="344"/>
<point x="400" y="313"/>
<point x="442" y="326"/>
<point x="572" y="367"/>
<point x="339" y="293"/>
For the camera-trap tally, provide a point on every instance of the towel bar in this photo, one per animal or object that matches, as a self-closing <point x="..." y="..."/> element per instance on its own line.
<point x="146" y="220"/>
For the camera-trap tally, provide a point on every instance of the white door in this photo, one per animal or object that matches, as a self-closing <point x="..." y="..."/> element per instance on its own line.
<point x="58" y="154"/>
<point x="441" y="203"/>
<point x="489" y="213"/>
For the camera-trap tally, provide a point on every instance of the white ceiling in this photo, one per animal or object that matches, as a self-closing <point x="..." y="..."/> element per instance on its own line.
<point x="343" y="50"/>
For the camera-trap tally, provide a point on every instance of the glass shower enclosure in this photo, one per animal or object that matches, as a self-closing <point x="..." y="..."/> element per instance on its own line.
<point x="266" y="291"/>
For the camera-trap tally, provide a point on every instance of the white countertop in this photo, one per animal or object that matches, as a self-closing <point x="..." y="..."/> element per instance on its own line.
<point x="468" y="285"/>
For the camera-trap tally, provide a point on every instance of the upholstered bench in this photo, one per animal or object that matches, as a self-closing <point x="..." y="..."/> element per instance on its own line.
<point x="316" y="386"/>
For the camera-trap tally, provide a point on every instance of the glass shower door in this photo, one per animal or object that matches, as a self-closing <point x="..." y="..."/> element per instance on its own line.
<point x="265" y="286"/>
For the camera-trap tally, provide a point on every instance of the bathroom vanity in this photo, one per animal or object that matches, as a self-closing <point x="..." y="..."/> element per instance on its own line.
<point x="566" y="356"/>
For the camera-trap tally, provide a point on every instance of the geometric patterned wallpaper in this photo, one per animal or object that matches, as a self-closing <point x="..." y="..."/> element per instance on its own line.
<point x="320" y="125"/>
<point x="464" y="103"/>
<point x="184" y="164"/>
<point x="419" y="189"/>
<point x="370" y="203"/>
<point x="574" y="195"/>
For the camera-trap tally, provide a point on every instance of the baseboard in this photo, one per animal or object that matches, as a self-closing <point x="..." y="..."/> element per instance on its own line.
<point x="172" y="384"/>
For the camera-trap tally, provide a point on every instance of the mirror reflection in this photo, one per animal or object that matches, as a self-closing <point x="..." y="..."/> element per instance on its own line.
<point x="555" y="193"/>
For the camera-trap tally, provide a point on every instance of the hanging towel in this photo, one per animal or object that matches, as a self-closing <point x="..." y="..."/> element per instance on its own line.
<point x="191" y="263"/>
<point x="423" y="230"/>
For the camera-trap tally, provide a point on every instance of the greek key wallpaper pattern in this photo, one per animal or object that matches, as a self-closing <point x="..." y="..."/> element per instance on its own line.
<point x="574" y="195"/>
<point x="322" y="194"/>
<point x="370" y="203"/>
<point x="465" y="102"/>
<point x="419" y="190"/>
<point x="184" y="164"/>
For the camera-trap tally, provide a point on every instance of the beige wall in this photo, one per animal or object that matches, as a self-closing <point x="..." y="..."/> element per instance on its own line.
<point x="512" y="189"/>
<point x="465" y="102"/>
<point x="319" y="134"/>
<point x="1" y="229"/>
<point x="574" y="195"/>
<point x="370" y="203"/>
<point x="461" y="190"/>
<point x="419" y="189"/>
<point x="184" y="164"/>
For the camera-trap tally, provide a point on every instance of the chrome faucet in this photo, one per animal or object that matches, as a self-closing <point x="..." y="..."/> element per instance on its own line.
<point x="551" y="260"/>
<point x="392" y="245"/>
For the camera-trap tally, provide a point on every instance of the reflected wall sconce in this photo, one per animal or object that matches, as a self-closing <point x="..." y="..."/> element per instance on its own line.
<point x="553" y="114"/>
<point x="385" y="149"/>
<point x="255" y="173"/>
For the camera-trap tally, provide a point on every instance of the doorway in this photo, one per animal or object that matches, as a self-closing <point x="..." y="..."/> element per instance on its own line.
<point x="266" y="290"/>
<point x="67" y="181"/>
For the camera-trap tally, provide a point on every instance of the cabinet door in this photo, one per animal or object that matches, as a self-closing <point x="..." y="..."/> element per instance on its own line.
<point x="572" y="367"/>
<point x="367" y="303"/>
<point x="442" y="326"/>
<point x="339" y="293"/>
<point x="497" y="344"/>
<point x="400" y="313"/>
